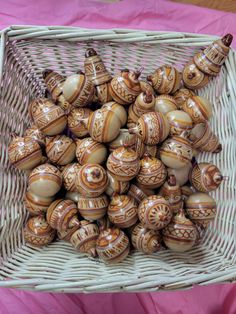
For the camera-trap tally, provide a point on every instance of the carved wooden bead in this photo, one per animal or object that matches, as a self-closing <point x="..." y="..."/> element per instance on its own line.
<point x="78" y="90"/>
<point x="84" y="239"/>
<point x="181" y="234"/>
<point x="91" y="180"/>
<point x="181" y="174"/>
<point x="201" y="208"/>
<point x="38" y="232"/>
<point x="66" y="235"/>
<point x="69" y="175"/>
<point x="165" y="80"/>
<point x="49" y="118"/>
<point x="124" y="88"/>
<point x="115" y="186"/>
<point x="171" y="191"/>
<point x="60" y="149"/>
<point x="165" y="104"/>
<point x="179" y="121"/>
<point x="186" y="191"/>
<point x="112" y="245"/>
<point x="122" y="211"/>
<point x="118" y="110"/>
<point x="24" y="153"/>
<point x="89" y="151"/>
<point x="176" y="152"/>
<point x="75" y="122"/>
<point x="205" y="177"/>
<point x="123" y="163"/>
<point x="45" y="180"/>
<point x="136" y="193"/>
<point x="34" y="133"/>
<point x="123" y="138"/>
<point x="199" y="109"/>
<point x="193" y="78"/>
<point x="93" y="208"/>
<point x="73" y="196"/>
<point x="145" y="240"/>
<point x="152" y="173"/>
<point x="62" y="215"/>
<point x="95" y="69"/>
<point x="103" y="93"/>
<point x="181" y="96"/>
<point x="36" y="204"/>
<point x="152" y="128"/>
<point x="154" y="212"/>
<point x="145" y="86"/>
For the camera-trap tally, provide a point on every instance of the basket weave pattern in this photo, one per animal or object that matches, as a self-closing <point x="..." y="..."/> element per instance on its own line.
<point x="24" y="53"/>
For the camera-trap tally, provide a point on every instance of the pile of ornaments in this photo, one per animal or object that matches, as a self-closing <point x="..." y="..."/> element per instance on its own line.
<point x="111" y="160"/>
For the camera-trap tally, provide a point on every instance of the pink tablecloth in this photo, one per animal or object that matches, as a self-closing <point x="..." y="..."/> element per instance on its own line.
<point x="140" y="14"/>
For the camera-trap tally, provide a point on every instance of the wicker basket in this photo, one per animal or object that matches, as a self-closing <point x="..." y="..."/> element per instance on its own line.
<point x="24" y="52"/>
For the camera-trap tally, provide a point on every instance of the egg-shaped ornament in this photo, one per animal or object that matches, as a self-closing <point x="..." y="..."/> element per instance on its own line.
<point x="69" y="174"/>
<point x="194" y="78"/>
<point x="145" y="86"/>
<point x="34" y="133"/>
<point x="152" y="173"/>
<point x="93" y="208"/>
<point x="179" y="122"/>
<point x="112" y="246"/>
<point x="154" y="212"/>
<point x="45" y="180"/>
<point x="145" y="240"/>
<point x="198" y="108"/>
<point x="181" y="96"/>
<point x="201" y="208"/>
<point x="181" y="174"/>
<point x="165" y="80"/>
<point x="24" y="153"/>
<point x="116" y="186"/>
<point x="123" y="163"/>
<point x="205" y="177"/>
<point x="144" y="103"/>
<point x="123" y="211"/>
<point x="165" y="104"/>
<point x="92" y="180"/>
<point x="75" y="121"/>
<point x="125" y="87"/>
<point x="89" y="151"/>
<point x="181" y="234"/>
<point x="36" y="204"/>
<point x="171" y="191"/>
<point x="62" y="215"/>
<point x="152" y="128"/>
<point x="118" y="110"/>
<point x="123" y="138"/>
<point x="95" y="69"/>
<point x="37" y="232"/>
<point x="84" y="239"/>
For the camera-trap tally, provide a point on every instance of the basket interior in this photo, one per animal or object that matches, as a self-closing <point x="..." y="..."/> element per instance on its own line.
<point x="58" y="267"/>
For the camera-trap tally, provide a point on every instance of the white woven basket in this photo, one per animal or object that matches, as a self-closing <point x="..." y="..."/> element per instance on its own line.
<point x="24" y="52"/>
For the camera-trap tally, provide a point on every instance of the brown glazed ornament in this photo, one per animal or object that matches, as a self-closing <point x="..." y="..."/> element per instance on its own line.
<point x="75" y="122"/>
<point x="181" y="174"/>
<point x="205" y="177"/>
<point x="154" y="212"/>
<point x="115" y="186"/>
<point x="145" y="86"/>
<point x="45" y="180"/>
<point x="49" y="118"/>
<point x="171" y="191"/>
<point x="103" y="93"/>
<point x="144" y="103"/>
<point x="118" y="110"/>
<point x="112" y="246"/>
<point x="91" y="180"/>
<point x="152" y="173"/>
<point x="123" y="164"/>
<point x="122" y="211"/>
<point x="123" y="138"/>
<point x="84" y="239"/>
<point x="176" y="152"/>
<point x="73" y="196"/>
<point x="145" y="240"/>
<point x="104" y="223"/>
<point x="89" y="151"/>
<point x="203" y="139"/>
<point x="152" y="128"/>
<point x="201" y="209"/>
<point x="67" y="234"/>
<point x="24" y="153"/>
<point x="193" y="78"/>
<point x="136" y="193"/>
<point x="181" y="234"/>
<point x="62" y="215"/>
<point x="125" y="87"/>
<point x="181" y="96"/>
<point x="35" y="204"/>
<point x="35" y="134"/>
<point x="186" y="191"/>
<point x="179" y="121"/>
<point x="69" y="174"/>
<point x="60" y="149"/>
<point x="54" y="82"/>
<point x="93" y="208"/>
<point x="165" y="80"/>
<point x="95" y="69"/>
<point x="139" y="147"/>
<point x="78" y="90"/>
<point x="38" y="232"/>
<point x="165" y="104"/>
<point x="199" y="109"/>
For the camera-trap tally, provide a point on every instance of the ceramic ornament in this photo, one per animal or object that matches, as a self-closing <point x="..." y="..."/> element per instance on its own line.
<point x="104" y="223"/>
<point x="123" y="138"/>
<point x="165" y="104"/>
<point x="103" y="93"/>
<point x="35" y="204"/>
<point x="136" y="193"/>
<point x="171" y="191"/>
<point x="89" y="151"/>
<point x="66" y="235"/>
<point x="194" y="78"/>
<point x="181" y="174"/>
<point x="73" y="196"/>
<point x="69" y="174"/>
<point x="75" y="123"/>
<point x="144" y="103"/>
<point x="179" y="122"/>
<point x="145" y="190"/>
<point x="198" y="108"/>
<point x="181" y="96"/>
<point x="145" y="86"/>
<point x="35" y="134"/>
<point x="186" y="191"/>
<point x="93" y="208"/>
<point x="115" y="186"/>
<point x="118" y="110"/>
